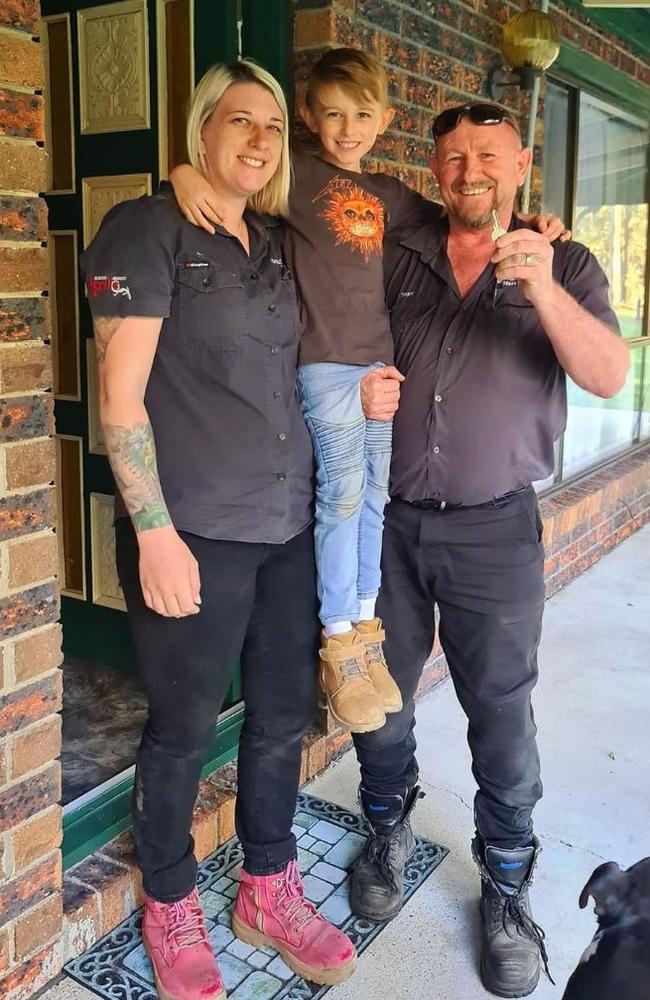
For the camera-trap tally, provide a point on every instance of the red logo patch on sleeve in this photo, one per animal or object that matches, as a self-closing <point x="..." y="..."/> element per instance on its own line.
<point x="100" y="284"/>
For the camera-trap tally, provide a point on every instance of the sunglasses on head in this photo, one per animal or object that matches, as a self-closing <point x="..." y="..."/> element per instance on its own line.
<point x="478" y="114"/>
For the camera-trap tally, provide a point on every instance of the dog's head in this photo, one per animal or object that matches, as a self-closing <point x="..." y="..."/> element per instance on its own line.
<point x="617" y="893"/>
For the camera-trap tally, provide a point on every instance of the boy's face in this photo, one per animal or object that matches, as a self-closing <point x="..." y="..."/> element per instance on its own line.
<point x="347" y="129"/>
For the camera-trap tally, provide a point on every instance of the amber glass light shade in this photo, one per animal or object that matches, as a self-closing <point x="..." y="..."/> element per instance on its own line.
<point x="530" y="38"/>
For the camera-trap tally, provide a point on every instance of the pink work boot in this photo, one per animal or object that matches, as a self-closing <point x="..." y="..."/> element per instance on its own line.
<point x="272" y="911"/>
<point x="177" y="944"/>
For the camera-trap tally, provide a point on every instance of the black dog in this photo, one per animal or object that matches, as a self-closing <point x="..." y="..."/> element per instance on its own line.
<point x="616" y="965"/>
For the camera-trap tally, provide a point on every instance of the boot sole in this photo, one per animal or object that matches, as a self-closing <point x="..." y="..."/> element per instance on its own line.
<point x="370" y="728"/>
<point x="165" y="994"/>
<point x="378" y="918"/>
<point x="323" y="977"/>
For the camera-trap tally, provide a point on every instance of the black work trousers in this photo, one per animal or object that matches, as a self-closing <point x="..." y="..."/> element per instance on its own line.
<point x="483" y="567"/>
<point x="258" y="605"/>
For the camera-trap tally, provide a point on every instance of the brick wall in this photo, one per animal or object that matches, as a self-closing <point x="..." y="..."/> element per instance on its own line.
<point x="436" y="54"/>
<point x="30" y="682"/>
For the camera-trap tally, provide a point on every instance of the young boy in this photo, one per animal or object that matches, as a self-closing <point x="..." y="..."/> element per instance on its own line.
<point x="338" y="216"/>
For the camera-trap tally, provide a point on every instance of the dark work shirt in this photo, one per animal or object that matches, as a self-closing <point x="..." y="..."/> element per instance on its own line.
<point x="484" y="397"/>
<point x="334" y="244"/>
<point x="234" y="455"/>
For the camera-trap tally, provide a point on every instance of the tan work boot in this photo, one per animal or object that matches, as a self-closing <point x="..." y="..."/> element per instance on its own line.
<point x="372" y="635"/>
<point x="351" y="697"/>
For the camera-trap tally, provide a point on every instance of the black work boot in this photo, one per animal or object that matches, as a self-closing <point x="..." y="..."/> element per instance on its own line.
<point x="512" y="948"/>
<point x="376" y="884"/>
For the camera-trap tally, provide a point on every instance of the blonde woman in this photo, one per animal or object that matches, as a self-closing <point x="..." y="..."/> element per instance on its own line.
<point x="196" y="338"/>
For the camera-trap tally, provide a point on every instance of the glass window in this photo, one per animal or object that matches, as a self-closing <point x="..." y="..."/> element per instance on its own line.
<point x="557" y="188"/>
<point x="611" y="207"/>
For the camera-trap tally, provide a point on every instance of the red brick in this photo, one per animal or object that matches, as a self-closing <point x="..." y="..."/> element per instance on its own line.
<point x="21" y="14"/>
<point x="31" y="463"/>
<point x="24" y="270"/>
<point x="397" y="52"/>
<point x="30" y="704"/>
<point x="4" y="950"/>
<point x="113" y="885"/>
<point x="25" y="367"/>
<point x="25" y="798"/>
<point x="3" y="781"/>
<point x="29" y="609"/>
<point x="312" y="27"/>
<point x="122" y="851"/>
<point x="23" y="319"/>
<point x="22" y="219"/>
<point x="23" y="167"/>
<point x="37" y="653"/>
<point x="40" y="925"/>
<point x="31" y="560"/>
<point x="31" y="887"/>
<point x="21" y="61"/>
<point x="26" y="417"/>
<point x="36" y="747"/>
<point x="33" y="511"/>
<point x="28" y="977"/>
<point x="21" y="115"/>
<point x="36" y="838"/>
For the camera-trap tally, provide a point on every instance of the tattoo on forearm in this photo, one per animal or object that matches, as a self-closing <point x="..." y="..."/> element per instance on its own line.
<point x="132" y="454"/>
<point x="105" y="328"/>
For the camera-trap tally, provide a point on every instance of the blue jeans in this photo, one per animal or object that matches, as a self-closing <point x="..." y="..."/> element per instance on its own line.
<point x="352" y="469"/>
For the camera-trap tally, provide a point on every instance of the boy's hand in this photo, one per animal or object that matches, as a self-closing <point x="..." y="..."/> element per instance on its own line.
<point x="196" y="198"/>
<point x="380" y="393"/>
<point x="548" y="225"/>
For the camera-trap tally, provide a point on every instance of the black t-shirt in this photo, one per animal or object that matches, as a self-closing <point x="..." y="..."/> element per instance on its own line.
<point x="484" y="397"/>
<point x="334" y="244"/>
<point x="234" y="455"/>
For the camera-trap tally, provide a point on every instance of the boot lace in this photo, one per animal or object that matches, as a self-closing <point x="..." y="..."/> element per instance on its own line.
<point x="185" y="927"/>
<point x="290" y="899"/>
<point x="515" y="912"/>
<point x="382" y="853"/>
<point x="352" y="667"/>
<point x="375" y="652"/>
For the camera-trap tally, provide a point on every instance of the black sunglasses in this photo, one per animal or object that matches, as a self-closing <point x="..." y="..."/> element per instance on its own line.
<point x="478" y="114"/>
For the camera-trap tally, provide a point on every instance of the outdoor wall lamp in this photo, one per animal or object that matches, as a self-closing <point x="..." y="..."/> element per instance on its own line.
<point x="530" y="43"/>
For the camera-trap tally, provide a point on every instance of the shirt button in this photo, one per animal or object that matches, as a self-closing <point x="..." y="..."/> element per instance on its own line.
<point x="282" y="437"/>
<point x="450" y="350"/>
<point x="436" y="450"/>
<point x="254" y="276"/>
<point x="272" y="307"/>
<point x="438" y="399"/>
<point x="274" y="350"/>
<point x="281" y="476"/>
<point x="276" y="395"/>
<point x="206" y="281"/>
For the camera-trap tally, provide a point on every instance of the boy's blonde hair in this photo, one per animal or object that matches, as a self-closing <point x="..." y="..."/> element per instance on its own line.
<point x="359" y="76"/>
<point x="273" y="198"/>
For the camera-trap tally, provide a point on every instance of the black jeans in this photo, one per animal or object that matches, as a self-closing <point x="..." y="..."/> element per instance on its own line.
<point x="483" y="567"/>
<point x="258" y="605"/>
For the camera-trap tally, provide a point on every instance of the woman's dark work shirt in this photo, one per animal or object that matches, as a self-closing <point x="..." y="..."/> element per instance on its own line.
<point x="484" y="397"/>
<point x="234" y="455"/>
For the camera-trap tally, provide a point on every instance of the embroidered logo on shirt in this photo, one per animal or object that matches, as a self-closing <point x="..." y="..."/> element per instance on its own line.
<point x="101" y="283"/>
<point x="196" y="263"/>
<point x="406" y="295"/>
<point x="354" y="216"/>
<point x="277" y="260"/>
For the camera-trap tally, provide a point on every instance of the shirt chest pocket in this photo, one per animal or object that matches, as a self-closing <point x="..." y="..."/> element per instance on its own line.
<point x="213" y="307"/>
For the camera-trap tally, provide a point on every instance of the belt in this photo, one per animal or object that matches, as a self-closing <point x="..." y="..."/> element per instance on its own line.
<point x="497" y="501"/>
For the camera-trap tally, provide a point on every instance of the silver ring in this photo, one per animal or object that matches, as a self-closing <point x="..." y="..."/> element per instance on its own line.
<point x="529" y="259"/>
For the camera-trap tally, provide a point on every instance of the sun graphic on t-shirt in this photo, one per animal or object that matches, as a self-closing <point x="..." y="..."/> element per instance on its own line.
<point x="356" y="217"/>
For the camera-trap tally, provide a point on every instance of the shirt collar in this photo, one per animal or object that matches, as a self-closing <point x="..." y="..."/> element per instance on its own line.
<point x="430" y="239"/>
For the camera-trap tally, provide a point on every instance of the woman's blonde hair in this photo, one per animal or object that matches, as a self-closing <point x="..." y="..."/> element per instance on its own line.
<point x="273" y="198"/>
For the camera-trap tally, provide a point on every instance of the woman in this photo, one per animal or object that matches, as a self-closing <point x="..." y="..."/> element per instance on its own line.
<point x="196" y="338"/>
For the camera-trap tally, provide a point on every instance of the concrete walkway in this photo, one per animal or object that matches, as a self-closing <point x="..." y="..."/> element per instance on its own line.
<point x="591" y="707"/>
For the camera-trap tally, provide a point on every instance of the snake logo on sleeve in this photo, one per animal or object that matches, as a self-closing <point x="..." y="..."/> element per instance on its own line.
<point x="355" y="217"/>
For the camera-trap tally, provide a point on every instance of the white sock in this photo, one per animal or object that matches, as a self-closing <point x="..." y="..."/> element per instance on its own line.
<point x="337" y="628"/>
<point x="367" y="609"/>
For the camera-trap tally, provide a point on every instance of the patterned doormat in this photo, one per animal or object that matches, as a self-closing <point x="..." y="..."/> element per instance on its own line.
<point x="329" y="840"/>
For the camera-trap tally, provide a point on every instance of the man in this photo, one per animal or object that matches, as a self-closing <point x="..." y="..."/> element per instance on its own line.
<point x="484" y="335"/>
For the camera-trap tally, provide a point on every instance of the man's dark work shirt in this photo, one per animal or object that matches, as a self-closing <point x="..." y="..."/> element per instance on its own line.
<point x="484" y="397"/>
<point x="234" y="455"/>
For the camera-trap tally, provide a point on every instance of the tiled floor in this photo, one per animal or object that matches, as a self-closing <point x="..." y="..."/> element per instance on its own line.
<point x="329" y="839"/>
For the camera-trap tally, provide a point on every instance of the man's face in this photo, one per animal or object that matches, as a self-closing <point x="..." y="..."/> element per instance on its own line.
<point x="478" y="169"/>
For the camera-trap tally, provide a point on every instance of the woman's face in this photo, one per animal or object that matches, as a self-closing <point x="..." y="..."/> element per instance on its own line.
<point x="242" y="140"/>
